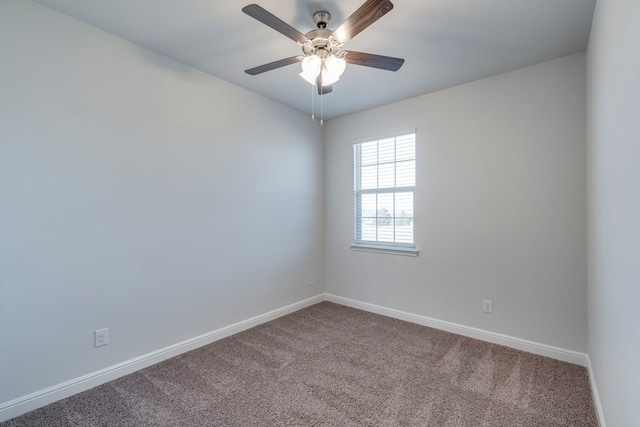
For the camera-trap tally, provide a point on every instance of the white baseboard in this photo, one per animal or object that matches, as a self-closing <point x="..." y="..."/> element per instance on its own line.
<point x="595" y="395"/>
<point x="492" y="337"/>
<point x="49" y="395"/>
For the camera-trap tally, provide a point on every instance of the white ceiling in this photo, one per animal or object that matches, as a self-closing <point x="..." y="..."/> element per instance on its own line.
<point x="444" y="42"/>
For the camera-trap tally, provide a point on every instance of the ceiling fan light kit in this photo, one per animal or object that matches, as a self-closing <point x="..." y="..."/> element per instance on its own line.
<point x="324" y="61"/>
<point x="329" y="69"/>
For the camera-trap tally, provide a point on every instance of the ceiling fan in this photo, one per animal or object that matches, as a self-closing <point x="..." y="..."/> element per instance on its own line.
<point x="324" y="61"/>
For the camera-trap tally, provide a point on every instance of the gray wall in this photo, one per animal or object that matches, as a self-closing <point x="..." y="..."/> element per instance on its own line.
<point x="141" y="195"/>
<point x="614" y="208"/>
<point x="500" y="206"/>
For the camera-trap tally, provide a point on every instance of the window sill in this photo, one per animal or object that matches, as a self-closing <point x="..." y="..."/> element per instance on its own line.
<point x="391" y="250"/>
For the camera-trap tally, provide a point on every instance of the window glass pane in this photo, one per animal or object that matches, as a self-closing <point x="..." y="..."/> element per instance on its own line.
<point x="369" y="229"/>
<point x="386" y="150"/>
<point x="369" y="205"/>
<point x="369" y="177"/>
<point x="386" y="178"/>
<point x="404" y="205"/>
<point x="385" y="207"/>
<point x="369" y="153"/>
<point x="385" y="230"/>
<point x="404" y="230"/>
<point x="406" y="173"/>
<point x="405" y="147"/>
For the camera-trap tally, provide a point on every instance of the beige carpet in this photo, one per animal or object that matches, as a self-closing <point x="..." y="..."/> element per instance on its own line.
<point x="337" y="366"/>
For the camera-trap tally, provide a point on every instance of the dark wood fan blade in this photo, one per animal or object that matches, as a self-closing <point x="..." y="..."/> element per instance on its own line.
<point x="273" y="65"/>
<point x="322" y="90"/>
<point x="255" y="11"/>
<point x="367" y="14"/>
<point x="376" y="61"/>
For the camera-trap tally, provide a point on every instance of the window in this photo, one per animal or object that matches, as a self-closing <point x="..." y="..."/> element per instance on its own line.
<point x="384" y="187"/>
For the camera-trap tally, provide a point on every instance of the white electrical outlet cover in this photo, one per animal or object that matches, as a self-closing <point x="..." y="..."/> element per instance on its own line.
<point x="102" y="337"/>
<point x="487" y="306"/>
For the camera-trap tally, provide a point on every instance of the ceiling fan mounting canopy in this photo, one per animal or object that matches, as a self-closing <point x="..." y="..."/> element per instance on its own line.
<point x="324" y="60"/>
<point x="321" y="18"/>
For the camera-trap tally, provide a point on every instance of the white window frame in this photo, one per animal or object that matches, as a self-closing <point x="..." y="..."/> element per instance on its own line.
<point x="395" y="248"/>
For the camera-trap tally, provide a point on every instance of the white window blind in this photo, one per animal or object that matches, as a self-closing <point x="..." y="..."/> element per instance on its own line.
<point x="384" y="187"/>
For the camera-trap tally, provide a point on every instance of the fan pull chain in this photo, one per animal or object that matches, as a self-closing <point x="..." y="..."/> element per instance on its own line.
<point x="321" y="106"/>
<point x="313" y="116"/>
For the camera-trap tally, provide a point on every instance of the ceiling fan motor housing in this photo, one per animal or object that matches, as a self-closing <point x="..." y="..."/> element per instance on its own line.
<point x="320" y="43"/>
